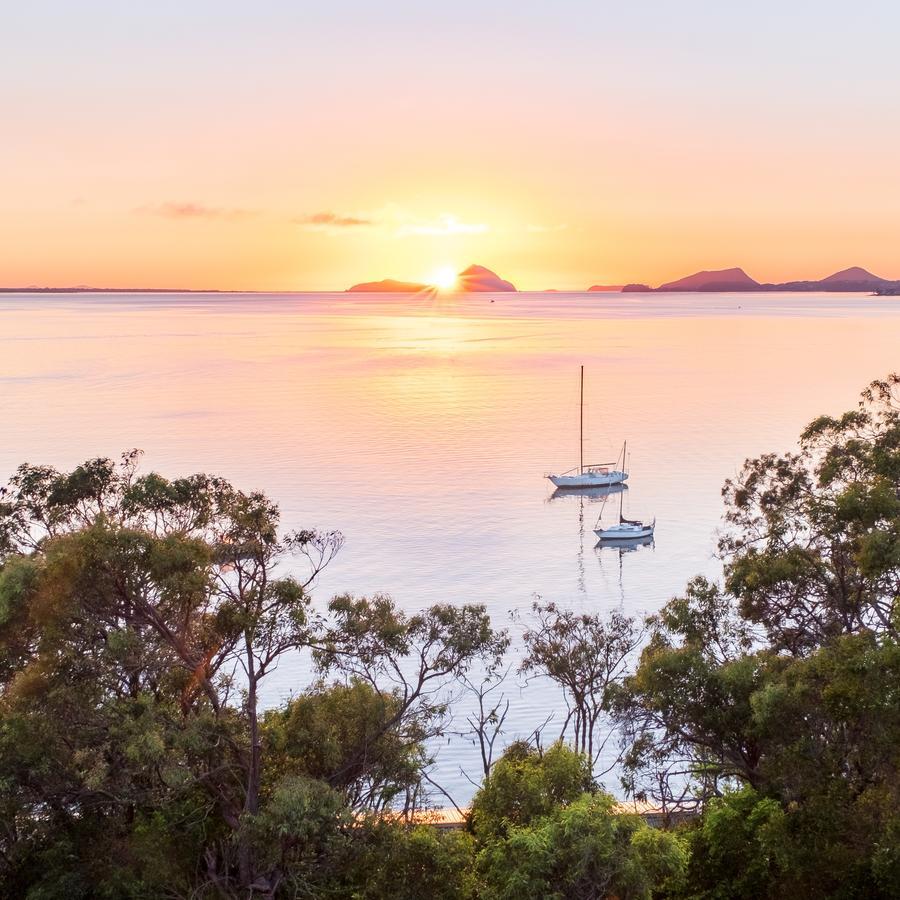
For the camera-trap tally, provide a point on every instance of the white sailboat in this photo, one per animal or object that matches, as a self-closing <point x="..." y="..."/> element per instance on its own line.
<point x="625" y="530"/>
<point x="590" y="476"/>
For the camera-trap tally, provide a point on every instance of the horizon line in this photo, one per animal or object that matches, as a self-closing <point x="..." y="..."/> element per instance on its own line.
<point x="751" y="285"/>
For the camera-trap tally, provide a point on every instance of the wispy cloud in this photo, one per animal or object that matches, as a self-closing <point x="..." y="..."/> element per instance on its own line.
<point x="190" y="210"/>
<point x="325" y="220"/>
<point x="391" y="221"/>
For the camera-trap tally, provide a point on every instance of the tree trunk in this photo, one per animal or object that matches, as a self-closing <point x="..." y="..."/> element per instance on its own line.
<point x="251" y="796"/>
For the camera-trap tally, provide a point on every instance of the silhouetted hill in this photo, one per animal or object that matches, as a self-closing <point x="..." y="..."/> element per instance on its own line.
<point x="853" y="279"/>
<point x="603" y="288"/>
<point x="854" y="274"/>
<point x="478" y="278"/>
<point x="387" y="286"/>
<point x="716" y="280"/>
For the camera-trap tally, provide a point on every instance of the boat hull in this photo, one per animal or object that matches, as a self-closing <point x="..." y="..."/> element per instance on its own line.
<point x="624" y="532"/>
<point x="588" y="479"/>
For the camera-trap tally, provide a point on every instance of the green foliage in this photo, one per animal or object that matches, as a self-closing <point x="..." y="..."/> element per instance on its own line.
<point x="301" y="833"/>
<point x="777" y="700"/>
<point x="339" y="734"/>
<point x="138" y="618"/>
<point x="813" y="541"/>
<point x="687" y="709"/>
<point x="393" y="862"/>
<point x="544" y="830"/>
<point x="580" y="850"/>
<point x="814" y="740"/>
<point x="738" y="850"/>
<point x="525" y="784"/>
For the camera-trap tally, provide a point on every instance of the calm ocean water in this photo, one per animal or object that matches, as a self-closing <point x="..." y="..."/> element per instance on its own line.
<point x="422" y="429"/>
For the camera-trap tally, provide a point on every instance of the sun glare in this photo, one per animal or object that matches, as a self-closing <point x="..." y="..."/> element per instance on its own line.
<point x="444" y="279"/>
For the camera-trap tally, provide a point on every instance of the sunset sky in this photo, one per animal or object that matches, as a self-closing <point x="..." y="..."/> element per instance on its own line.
<point x="294" y="145"/>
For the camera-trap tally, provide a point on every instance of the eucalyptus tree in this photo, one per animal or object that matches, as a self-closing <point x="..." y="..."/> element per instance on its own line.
<point x="587" y="655"/>
<point x="543" y="829"/>
<point x="419" y="658"/>
<point x="774" y="699"/>
<point x="812" y="539"/>
<point x="485" y="723"/>
<point x="139" y="617"/>
<point x="811" y="552"/>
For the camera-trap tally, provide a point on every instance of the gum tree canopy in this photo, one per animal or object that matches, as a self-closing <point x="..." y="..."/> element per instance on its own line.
<point x="775" y="697"/>
<point x="138" y="619"/>
<point x="812" y="546"/>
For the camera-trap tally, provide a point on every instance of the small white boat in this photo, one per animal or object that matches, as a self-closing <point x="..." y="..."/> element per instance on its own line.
<point x="590" y="476"/>
<point x="625" y="530"/>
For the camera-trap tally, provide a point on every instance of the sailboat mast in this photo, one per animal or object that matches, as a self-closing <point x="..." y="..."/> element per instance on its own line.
<point x="581" y="426"/>
<point x="622" y="493"/>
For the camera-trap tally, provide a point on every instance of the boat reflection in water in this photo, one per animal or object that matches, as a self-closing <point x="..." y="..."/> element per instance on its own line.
<point x="591" y="494"/>
<point x="625" y="545"/>
<point x="621" y="546"/>
<point x="585" y="495"/>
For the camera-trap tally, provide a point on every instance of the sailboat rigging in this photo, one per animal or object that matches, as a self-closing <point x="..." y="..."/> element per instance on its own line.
<point x="595" y="474"/>
<point x="625" y="529"/>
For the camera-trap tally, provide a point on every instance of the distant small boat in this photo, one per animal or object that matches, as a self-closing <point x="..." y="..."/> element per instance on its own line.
<point x="625" y="530"/>
<point x="595" y="474"/>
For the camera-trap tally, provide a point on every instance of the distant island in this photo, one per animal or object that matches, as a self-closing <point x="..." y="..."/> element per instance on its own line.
<point x="389" y="286"/>
<point x="474" y="279"/>
<point x="853" y="279"/>
<point x="721" y="280"/>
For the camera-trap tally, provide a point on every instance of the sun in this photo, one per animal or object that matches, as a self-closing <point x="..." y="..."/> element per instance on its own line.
<point x="444" y="279"/>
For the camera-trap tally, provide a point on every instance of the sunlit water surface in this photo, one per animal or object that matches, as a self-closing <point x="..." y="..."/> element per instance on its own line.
<point x="422" y="429"/>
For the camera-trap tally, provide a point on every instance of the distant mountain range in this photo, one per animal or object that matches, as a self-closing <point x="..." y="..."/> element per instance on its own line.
<point x="847" y="280"/>
<point x="478" y="278"/>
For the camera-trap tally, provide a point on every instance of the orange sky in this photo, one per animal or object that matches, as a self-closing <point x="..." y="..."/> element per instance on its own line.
<point x="284" y="148"/>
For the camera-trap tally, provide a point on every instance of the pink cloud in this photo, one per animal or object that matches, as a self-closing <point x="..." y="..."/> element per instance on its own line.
<point x="333" y="220"/>
<point x="188" y="210"/>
